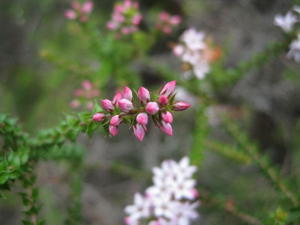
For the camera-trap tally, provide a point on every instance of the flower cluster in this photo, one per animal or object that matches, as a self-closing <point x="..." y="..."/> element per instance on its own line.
<point x="123" y="109"/>
<point x="170" y="201"/>
<point x="167" y="22"/>
<point x="84" y="96"/>
<point x="79" y="11"/>
<point x="196" y="53"/>
<point x="287" y="23"/>
<point x="125" y="18"/>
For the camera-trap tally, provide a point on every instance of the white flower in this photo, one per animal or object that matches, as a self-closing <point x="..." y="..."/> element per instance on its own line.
<point x="286" y="22"/>
<point x="201" y="69"/>
<point x="140" y="208"/>
<point x="163" y="206"/>
<point x="193" y="39"/>
<point x="170" y="200"/>
<point x="184" y="212"/>
<point x="193" y="51"/>
<point x="294" y="51"/>
<point x="178" y="50"/>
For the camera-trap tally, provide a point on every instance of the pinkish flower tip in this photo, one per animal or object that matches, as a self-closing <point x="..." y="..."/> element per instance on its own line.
<point x="113" y="130"/>
<point x="125" y="105"/>
<point x="115" y="121"/>
<point x="166" y="128"/>
<point x="180" y="106"/>
<point x="142" y="118"/>
<point x="107" y="105"/>
<point x="70" y="14"/>
<point x="87" y="7"/>
<point x="98" y="117"/>
<point x="127" y="93"/>
<point x="169" y="88"/>
<point x="139" y="132"/>
<point x="152" y="108"/>
<point x="143" y="95"/>
<point x="87" y="85"/>
<point x="163" y="100"/>
<point x="167" y="117"/>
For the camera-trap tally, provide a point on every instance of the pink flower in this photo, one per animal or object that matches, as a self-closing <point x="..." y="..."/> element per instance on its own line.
<point x="169" y="88"/>
<point x="98" y="117"/>
<point x="166" y="128"/>
<point x="152" y="108"/>
<point x="137" y="19"/>
<point x="125" y="105"/>
<point x="75" y="104"/>
<point x="167" y="117"/>
<point x="111" y="25"/>
<point x="175" y="20"/>
<point x="87" y="85"/>
<point x="70" y="14"/>
<point x="142" y="118"/>
<point x="87" y="7"/>
<point x="180" y="106"/>
<point x="76" y="5"/>
<point x="163" y="100"/>
<point x="107" y="105"/>
<point x="143" y="95"/>
<point x="139" y="132"/>
<point x="127" y="93"/>
<point x="115" y="121"/>
<point x="113" y="130"/>
<point x="90" y="105"/>
<point x="164" y="16"/>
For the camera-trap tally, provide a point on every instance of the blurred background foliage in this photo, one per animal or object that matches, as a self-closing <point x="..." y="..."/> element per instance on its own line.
<point x="44" y="57"/>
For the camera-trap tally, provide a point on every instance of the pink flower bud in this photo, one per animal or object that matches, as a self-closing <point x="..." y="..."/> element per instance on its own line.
<point x="76" y="5"/>
<point x="107" y="105"/>
<point x="166" y="128"/>
<point x="98" y="117"/>
<point x="139" y="132"/>
<point x="169" y="88"/>
<point x="167" y="117"/>
<point x="142" y="118"/>
<point x="163" y="100"/>
<point x="70" y="14"/>
<point x="115" y="121"/>
<point x="113" y="130"/>
<point x="152" y="108"/>
<point x="75" y="104"/>
<point x="125" y="105"/>
<point x="90" y="105"/>
<point x="195" y="193"/>
<point x="87" y="7"/>
<point x="111" y="25"/>
<point x="143" y="95"/>
<point x="127" y="93"/>
<point x="117" y="97"/>
<point x="180" y="106"/>
<point x="86" y="85"/>
<point x="164" y="16"/>
<point x="137" y="19"/>
<point x="175" y="20"/>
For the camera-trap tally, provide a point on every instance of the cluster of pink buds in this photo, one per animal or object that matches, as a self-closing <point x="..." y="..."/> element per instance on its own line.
<point x="167" y="22"/>
<point x="171" y="200"/>
<point x="79" y="11"/>
<point x="84" y="96"/>
<point x="125" y="18"/>
<point x="123" y="108"/>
